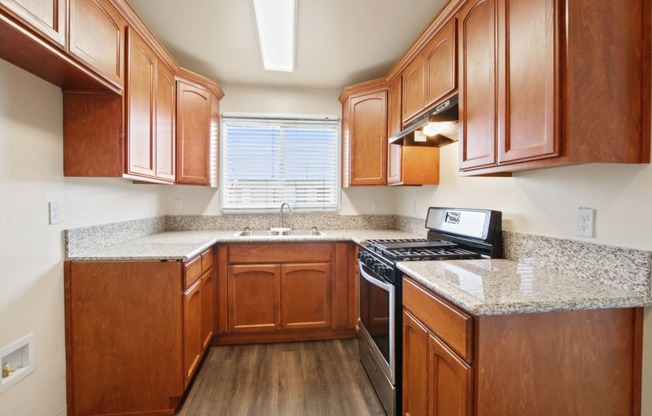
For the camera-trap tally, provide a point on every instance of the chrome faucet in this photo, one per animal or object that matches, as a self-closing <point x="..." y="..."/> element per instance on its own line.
<point x="289" y="207"/>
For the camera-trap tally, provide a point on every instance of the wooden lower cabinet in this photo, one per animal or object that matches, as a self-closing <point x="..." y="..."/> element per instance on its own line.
<point x="192" y="330"/>
<point x="284" y="292"/>
<point x="134" y="337"/>
<point x="585" y="362"/>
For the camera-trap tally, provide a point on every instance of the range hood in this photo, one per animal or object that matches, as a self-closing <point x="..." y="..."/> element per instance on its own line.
<point x="436" y="128"/>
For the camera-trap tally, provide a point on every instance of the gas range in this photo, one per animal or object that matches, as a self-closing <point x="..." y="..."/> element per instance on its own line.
<point x="453" y="233"/>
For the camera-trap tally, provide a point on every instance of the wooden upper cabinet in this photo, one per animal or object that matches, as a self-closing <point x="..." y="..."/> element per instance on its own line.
<point x="528" y="107"/>
<point x="364" y="134"/>
<point x="46" y="16"/>
<point x="193" y="134"/>
<point x="141" y="110"/>
<point x="478" y="78"/>
<point x="413" y="88"/>
<point x="97" y="37"/>
<point x="537" y="89"/>
<point x="440" y="64"/>
<point x="166" y="92"/>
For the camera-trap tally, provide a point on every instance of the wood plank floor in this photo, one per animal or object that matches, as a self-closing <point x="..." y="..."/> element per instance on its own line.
<point x="300" y="378"/>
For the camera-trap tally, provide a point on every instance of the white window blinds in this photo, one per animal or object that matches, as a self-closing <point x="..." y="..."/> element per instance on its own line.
<point x="266" y="162"/>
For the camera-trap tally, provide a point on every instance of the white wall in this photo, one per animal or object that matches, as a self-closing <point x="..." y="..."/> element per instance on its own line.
<point x="31" y="282"/>
<point x="545" y="202"/>
<point x="274" y="100"/>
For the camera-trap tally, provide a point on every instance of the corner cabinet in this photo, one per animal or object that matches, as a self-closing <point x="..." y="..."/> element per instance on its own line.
<point x="136" y="329"/>
<point x="288" y="291"/>
<point x="532" y="93"/>
<point x="456" y="364"/>
<point x="364" y="134"/>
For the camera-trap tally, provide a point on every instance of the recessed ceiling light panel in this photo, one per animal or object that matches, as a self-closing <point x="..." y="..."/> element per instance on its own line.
<point x="276" y="30"/>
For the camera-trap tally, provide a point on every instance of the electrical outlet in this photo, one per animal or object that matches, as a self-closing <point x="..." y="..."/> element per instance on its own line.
<point x="413" y="207"/>
<point x="178" y="205"/>
<point x="585" y="222"/>
<point x="375" y="207"/>
<point x="54" y="209"/>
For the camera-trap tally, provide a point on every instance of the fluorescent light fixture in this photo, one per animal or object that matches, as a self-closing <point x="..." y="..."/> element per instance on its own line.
<point x="276" y="30"/>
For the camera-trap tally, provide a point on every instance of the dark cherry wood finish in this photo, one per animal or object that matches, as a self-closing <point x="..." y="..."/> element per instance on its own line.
<point x="364" y="134"/>
<point x="557" y="363"/>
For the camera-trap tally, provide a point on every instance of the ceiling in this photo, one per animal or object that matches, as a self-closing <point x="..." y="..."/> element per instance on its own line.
<point x="339" y="42"/>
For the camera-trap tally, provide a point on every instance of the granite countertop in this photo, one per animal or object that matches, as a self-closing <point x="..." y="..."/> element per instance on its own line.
<point x="184" y="245"/>
<point x="500" y="287"/>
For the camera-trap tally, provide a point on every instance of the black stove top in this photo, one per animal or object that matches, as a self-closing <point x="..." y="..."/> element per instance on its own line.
<point x="420" y="249"/>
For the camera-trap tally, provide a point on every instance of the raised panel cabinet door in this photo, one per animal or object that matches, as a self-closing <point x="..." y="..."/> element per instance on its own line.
<point x="254" y="298"/>
<point x="193" y="134"/>
<point x="207" y="307"/>
<point x="97" y="37"/>
<point x="368" y="139"/>
<point x="528" y="111"/>
<point x="141" y="80"/>
<point x="440" y="64"/>
<point x="449" y="384"/>
<point x="306" y="296"/>
<point x="415" y="368"/>
<point x="166" y="91"/>
<point x="192" y="330"/>
<point x="46" y="16"/>
<point x="478" y="80"/>
<point x="413" y="88"/>
<point x="394" y="164"/>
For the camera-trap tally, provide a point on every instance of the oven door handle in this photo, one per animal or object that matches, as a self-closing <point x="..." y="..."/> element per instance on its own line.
<point x="374" y="281"/>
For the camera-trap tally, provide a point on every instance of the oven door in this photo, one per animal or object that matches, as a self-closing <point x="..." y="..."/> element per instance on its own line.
<point x="377" y="320"/>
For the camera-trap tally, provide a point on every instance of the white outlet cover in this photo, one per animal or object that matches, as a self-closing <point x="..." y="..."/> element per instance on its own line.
<point x="585" y="222"/>
<point x="54" y="209"/>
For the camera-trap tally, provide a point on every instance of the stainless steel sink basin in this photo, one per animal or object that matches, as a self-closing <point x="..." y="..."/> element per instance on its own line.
<point x="273" y="233"/>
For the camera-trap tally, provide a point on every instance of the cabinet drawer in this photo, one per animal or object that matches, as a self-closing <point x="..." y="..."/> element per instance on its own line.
<point x="446" y="321"/>
<point x="207" y="258"/>
<point x="191" y="272"/>
<point x="279" y="253"/>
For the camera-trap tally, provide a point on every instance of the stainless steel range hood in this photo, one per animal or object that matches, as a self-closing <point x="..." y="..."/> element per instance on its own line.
<point x="437" y="127"/>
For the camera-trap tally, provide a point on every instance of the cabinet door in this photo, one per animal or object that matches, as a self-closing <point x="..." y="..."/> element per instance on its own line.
<point x="306" y="296"/>
<point x="207" y="307"/>
<point x="415" y="368"/>
<point x="413" y="88"/>
<point x="528" y="110"/>
<point x="394" y="119"/>
<point x="97" y="37"/>
<point x="449" y="384"/>
<point x="440" y="64"/>
<point x="165" y="123"/>
<point x="254" y="298"/>
<point x="193" y="134"/>
<point x="368" y="139"/>
<point x="478" y="79"/>
<point x="192" y="330"/>
<point x="141" y="146"/>
<point x="46" y="16"/>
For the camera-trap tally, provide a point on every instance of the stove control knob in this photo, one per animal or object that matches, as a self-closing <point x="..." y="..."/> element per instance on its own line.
<point x="388" y="273"/>
<point x="369" y="261"/>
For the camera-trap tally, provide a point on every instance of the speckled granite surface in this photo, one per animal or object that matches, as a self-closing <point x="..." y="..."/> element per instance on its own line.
<point x="498" y="287"/>
<point x="84" y="239"/>
<point x="183" y="245"/>
<point x="266" y="221"/>
<point x="615" y="266"/>
<point x="412" y="225"/>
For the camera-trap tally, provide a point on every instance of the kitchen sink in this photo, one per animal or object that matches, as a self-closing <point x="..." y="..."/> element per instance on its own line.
<point x="274" y="233"/>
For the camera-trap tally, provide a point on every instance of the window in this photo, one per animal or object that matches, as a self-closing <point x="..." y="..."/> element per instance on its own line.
<point x="266" y="162"/>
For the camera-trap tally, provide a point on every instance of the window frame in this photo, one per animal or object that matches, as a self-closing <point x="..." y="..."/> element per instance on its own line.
<point x="281" y="118"/>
